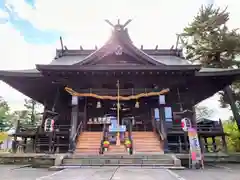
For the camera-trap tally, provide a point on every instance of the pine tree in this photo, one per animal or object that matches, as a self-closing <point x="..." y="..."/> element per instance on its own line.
<point x="208" y="41"/>
<point x="5" y="119"/>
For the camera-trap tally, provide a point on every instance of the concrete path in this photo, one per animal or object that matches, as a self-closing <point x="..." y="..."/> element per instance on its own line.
<point x="15" y="172"/>
<point x="211" y="172"/>
<point x="111" y="173"/>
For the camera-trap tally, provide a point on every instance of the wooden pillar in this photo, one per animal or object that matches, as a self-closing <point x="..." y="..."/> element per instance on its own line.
<point x="201" y="143"/>
<point x="186" y="141"/>
<point x="74" y="122"/>
<point x="57" y="149"/>
<point x="214" y="144"/>
<point x="163" y="127"/>
<point x="44" y="116"/>
<point x="224" y="143"/>
<point x="14" y="144"/>
<point x="34" y="144"/>
<point x="50" y="138"/>
<point x="85" y="118"/>
<point x="206" y="144"/>
<point x="25" y="145"/>
<point x="230" y="99"/>
<point x="194" y="117"/>
<point x="180" y="144"/>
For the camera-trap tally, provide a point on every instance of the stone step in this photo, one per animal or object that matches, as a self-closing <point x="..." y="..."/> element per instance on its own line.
<point x="91" y="135"/>
<point x="95" y="162"/>
<point x="147" y="147"/>
<point x="89" y="140"/>
<point x="88" y="146"/>
<point x="115" y="153"/>
<point x="147" y="142"/>
<point x="90" y="153"/>
<point x="138" y="155"/>
<point x="89" y="143"/>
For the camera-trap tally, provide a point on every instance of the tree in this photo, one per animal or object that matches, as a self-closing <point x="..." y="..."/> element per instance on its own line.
<point x="233" y="138"/>
<point x="31" y="111"/>
<point x="28" y="116"/>
<point x="5" y="116"/>
<point x="208" y="41"/>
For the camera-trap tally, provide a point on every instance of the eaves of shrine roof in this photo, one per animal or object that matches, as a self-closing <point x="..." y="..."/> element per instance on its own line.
<point x="20" y="73"/>
<point x="217" y="72"/>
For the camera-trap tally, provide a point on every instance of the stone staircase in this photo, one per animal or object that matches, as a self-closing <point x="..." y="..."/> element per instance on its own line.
<point x="151" y="160"/>
<point x="88" y="143"/>
<point x="146" y="142"/>
<point x="114" y="149"/>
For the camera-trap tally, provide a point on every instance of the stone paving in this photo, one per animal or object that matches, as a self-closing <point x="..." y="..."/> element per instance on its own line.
<point x="212" y="172"/>
<point x="11" y="172"/>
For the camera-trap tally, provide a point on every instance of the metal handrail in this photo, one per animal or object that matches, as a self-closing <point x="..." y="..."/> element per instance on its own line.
<point x="102" y="140"/>
<point x="73" y="139"/>
<point x="159" y="130"/>
<point x="130" y="136"/>
<point x="78" y="131"/>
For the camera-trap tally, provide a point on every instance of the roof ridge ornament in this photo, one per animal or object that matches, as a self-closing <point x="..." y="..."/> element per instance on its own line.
<point x="118" y="26"/>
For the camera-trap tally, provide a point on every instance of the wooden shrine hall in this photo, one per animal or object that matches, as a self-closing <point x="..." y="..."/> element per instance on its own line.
<point x="119" y="98"/>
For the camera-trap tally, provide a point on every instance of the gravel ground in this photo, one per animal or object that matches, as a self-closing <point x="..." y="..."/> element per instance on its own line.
<point x="211" y="172"/>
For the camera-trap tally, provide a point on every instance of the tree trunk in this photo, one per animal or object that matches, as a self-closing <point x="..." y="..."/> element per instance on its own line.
<point x="229" y="96"/>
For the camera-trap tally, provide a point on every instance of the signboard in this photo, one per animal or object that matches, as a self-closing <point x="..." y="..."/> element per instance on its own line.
<point x="99" y="120"/>
<point x="186" y="124"/>
<point x="195" y="148"/>
<point x="74" y="100"/>
<point x="115" y="128"/>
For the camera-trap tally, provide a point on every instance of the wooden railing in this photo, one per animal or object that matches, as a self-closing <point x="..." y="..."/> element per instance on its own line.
<point x="27" y="128"/>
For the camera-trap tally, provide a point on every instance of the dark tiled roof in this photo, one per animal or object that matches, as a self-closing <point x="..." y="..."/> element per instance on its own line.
<point x="163" y="59"/>
<point x="68" y="60"/>
<point x="171" y="60"/>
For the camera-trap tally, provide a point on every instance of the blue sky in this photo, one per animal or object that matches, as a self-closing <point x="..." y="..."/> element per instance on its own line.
<point x="30" y="29"/>
<point x="30" y="33"/>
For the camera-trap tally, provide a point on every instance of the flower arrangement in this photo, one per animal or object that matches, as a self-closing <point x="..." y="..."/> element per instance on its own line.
<point x="106" y="144"/>
<point x="128" y="143"/>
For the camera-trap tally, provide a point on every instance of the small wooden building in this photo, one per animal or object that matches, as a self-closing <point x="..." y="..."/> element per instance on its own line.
<point x="137" y="70"/>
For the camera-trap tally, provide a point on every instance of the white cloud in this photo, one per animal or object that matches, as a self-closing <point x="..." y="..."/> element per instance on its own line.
<point x="16" y="53"/>
<point x="154" y="21"/>
<point x="3" y="14"/>
<point x="232" y="7"/>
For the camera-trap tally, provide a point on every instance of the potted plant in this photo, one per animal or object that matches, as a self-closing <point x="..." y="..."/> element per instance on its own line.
<point x="128" y="144"/>
<point x="106" y="144"/>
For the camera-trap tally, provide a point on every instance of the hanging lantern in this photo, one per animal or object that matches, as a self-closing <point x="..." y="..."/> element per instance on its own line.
<point x="99" y="104"/>
<point x="137" y="105"/>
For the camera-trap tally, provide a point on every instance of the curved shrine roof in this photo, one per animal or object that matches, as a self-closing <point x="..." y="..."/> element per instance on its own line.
<point x="118" y="44"/>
